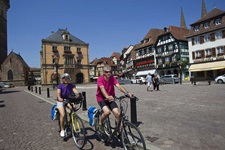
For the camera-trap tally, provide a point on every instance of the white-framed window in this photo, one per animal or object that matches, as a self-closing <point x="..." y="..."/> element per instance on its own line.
<point x="198" y="54"/>
<point x="218" y="35"/>
<point x="206" y="25"/>
<point x="220" y="50"/>
<point x="218" y="21"/>
<point x="159" y="50"/>
<point x="208" y="52"/>
<point x="54" y="47"/>
<point x="66" y="48"/>
<point x="69" y="61"/>
<point x="196" y="28"/>
<point x="160" y="60"/>
<point x="167" y="59"/>
<point x="197" y="40"/>
<point x="79" y="61"/>
<point x="170" y="47"/>
<point x="206" y="38"/>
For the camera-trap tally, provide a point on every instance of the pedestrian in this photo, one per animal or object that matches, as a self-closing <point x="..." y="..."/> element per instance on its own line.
<point x="156" y="82"/>
<point x="149" y="80"/>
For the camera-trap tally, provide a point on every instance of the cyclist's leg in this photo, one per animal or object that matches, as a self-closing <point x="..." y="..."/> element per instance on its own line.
<point x="113" y="106"/>
<point x="62" y="114"/>
<point x="106" y="111"/>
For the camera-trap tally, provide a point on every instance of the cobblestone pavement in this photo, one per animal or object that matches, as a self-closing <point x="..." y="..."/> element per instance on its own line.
<point x="179" y="117"/>
<point x="26" y="125"/>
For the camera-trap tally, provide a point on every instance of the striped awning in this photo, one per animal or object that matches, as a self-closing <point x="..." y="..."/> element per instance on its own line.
<point x="207" y="66"/>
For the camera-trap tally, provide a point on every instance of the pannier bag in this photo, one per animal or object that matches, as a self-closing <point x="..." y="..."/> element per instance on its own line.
<point x="54" y="112"/>
<point x="92" y="111"/>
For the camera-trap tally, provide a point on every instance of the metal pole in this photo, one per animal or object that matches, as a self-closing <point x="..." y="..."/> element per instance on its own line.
<point x="84" y="101"/>
<point x="35" y="89"/>
<point x="57" y="78"/>
<point x="133" y="110"/>
<point x="48" y="94"/>
<point x="40" y="90"/>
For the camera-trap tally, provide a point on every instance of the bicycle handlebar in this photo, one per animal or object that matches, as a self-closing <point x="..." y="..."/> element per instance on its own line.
<point x="122" y="97"/>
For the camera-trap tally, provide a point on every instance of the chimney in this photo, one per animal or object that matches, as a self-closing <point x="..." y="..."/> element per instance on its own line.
<point x="165" y="29"/>
<point x="52" y="32"/>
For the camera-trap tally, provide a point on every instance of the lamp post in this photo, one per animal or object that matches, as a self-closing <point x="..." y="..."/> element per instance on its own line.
<point x="56" y="62"/>
<point x="180" y="71"/>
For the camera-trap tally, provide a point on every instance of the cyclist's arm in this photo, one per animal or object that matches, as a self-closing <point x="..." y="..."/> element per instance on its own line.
<point x="122" y="89"/>
<point x="102" y="88"/>
<point x="58" y="95"/>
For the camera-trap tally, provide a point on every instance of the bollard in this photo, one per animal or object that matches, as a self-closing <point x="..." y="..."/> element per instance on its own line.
<point x="40" y="90"/>
<point x="194" y="82"/>
<point x="35" y="89"/>
<point x="84" y="101"/>
<point x="48" y="94"/>
<point x="31" y="88"/>
<point x="209" y="82"/>
<point x="133" y="110"/>
<point x="28" y="88"/>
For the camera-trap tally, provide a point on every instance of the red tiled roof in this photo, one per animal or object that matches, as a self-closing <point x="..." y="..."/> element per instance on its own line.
<point x="179" y="33"/>
<point x="106" y="60"/>
<point x="116" y="54"/>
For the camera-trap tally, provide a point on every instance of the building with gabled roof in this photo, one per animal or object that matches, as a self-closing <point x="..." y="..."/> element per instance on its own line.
<point x="14" y="70"/>
<point x="61" y="53"/>
<point x="206" y="41"/>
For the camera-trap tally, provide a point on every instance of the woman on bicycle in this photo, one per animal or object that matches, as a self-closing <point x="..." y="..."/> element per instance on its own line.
<point x="63" y="91"/>
<point x="105" y="94"/>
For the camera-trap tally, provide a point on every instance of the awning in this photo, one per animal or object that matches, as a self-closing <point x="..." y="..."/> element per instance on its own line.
<point x="207" y="66"/>
<point x="142" y="73"/>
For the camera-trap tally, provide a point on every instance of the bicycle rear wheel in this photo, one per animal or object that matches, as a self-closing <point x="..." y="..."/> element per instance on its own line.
<point x="132" y="138"/>
<point x="78" y="130"/>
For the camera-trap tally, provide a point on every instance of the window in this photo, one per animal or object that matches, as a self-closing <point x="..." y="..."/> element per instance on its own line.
<point x="197" y="40"/>
<point x="160" y="60"/>
<point x="170" y="47"/>
<point x="66" y="48"/>
<point x="167" y="59"/>
<point x="220" y="50"/>
<point x="206" y="38"/>
<point x="206" y="25"/>
<point x="10" y="75"/>
<point x="218" y="21"/>
<point x="218" y="35"/>
<point x="78" y="50"/>
<point x="208" y="52"/>
<point x="196" y="28"/>
<point x="54" y="47"/>
<point x="69" y="61"/>
<point x="159" y="50"/>
<point x="198" y="54"/>
<point x="78" y="61"/>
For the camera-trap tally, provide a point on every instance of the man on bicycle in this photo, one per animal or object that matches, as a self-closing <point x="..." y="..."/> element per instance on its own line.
<point x="105" y="94"/>
<point x="63" y="91"/>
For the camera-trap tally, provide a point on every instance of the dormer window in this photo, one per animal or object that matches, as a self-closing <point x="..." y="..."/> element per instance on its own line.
<point x="206" y="25"/>
<point x="218" y="21"/>
<point x="66" y="37"/>
<point x="196" y="28"/>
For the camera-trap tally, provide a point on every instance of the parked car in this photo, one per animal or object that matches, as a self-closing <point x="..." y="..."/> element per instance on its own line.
<point x="220" y="79"/>
<point x="3" y="85"/>
<point x="169" y="79"/>
<point x="124" y="81"/>
<point x="138" y="80"/>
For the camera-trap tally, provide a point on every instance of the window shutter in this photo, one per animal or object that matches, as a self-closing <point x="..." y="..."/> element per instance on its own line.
<point x="193" y="41"/>
<point x="193" y="55"/>
<point x="213" y="52"/>
<point x="201" y="39"/>
<point x="223" y="34"/>
<point x="212" y="37"/>
<point x="202" y="54"/>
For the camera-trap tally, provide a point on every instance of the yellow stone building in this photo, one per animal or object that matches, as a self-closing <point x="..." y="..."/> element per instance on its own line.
<point x="64" y="53"/>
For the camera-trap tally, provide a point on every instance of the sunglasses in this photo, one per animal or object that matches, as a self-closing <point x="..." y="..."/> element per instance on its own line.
<point x="108" y="71"/>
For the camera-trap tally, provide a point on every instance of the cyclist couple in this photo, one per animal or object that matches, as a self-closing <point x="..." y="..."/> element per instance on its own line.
<point x="105" y="95"/>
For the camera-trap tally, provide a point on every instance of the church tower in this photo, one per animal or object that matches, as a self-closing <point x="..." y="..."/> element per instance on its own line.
<point x="182" y="20"/>
<point x="204" y="12"/>
<point x="4" y="6"/>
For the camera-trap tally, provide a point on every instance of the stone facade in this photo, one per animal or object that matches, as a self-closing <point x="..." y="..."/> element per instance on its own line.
<point x="62" y="52"/>
<point x="14" y="70"/>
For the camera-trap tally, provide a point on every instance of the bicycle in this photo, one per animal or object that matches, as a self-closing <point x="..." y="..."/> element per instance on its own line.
<point x="74" y="125"/>
<point x="129" y="134"/>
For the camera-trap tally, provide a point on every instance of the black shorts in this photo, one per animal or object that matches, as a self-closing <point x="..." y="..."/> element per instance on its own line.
<point x="111" y="104"/>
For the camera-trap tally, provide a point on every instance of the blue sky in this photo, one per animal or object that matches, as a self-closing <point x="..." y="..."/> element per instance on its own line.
<point x="107" y="25"/>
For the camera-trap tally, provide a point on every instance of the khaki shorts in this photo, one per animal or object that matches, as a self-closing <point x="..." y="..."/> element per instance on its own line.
<point x="59" y="104"/>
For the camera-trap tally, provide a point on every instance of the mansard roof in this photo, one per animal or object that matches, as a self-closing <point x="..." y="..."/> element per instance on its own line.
<point x="57" y="37"/>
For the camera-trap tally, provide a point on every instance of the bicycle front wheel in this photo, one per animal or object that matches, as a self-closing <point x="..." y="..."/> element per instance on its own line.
<point x="78" y="130"/>
<point x="132" y="138"/>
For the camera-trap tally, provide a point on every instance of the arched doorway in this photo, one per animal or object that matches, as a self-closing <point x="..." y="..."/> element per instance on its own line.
<point x="80" y="78"/>
<point x="10" y="75"/>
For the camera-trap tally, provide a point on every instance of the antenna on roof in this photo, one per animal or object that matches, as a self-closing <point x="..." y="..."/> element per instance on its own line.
<point x="214" y="4"/>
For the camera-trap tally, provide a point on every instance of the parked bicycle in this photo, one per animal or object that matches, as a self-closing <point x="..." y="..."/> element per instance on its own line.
<point x="125" y="131"/>
<point x="73" y="124"/>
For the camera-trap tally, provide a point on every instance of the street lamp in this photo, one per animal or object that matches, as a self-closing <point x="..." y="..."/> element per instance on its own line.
<point x="56" y="62"/>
